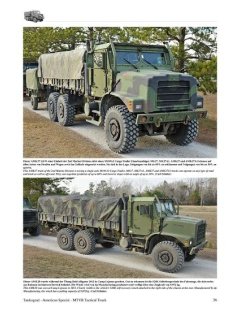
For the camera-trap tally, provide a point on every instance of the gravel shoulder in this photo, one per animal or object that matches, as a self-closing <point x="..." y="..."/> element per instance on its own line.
<point x="37" y="136"/>
<point x="198" y="268"/>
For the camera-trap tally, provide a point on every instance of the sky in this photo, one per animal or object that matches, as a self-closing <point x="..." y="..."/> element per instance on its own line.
<point x="81" y="184"/>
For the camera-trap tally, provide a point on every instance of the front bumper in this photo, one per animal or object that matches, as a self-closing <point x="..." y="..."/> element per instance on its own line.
<point x="166" y="117"/>
<point x="195" y="250"/>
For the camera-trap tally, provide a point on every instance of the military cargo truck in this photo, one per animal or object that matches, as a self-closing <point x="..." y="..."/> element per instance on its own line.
<point x="130" y="89"/>
<point x="30" y="219"/>
<point x="144" y="224"/>
<point x="27" y="65"/>
<point x="33" y="15"/>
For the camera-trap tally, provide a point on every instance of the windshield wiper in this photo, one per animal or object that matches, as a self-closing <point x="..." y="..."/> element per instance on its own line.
<point x="130" y="63"/>
<point x="150" y="63"/>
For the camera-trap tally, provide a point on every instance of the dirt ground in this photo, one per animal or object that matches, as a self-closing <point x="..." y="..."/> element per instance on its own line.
<point x="42" y="263"/>
<point x="42" y="137"/>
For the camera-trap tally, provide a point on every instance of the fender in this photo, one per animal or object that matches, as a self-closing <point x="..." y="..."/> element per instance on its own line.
<point x="183" y="240"/>
<point x="133" y="103"/>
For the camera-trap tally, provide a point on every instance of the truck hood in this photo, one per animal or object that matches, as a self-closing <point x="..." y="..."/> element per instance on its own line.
<point x="184" y="228"/>
<point x="147" y="86"/>
<point x="184" y="219"/>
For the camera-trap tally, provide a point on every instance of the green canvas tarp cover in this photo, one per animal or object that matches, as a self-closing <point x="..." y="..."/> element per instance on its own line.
<point x="61" y="65"/>
<point x="32" y="79"/>
<point x="97" y="208"/>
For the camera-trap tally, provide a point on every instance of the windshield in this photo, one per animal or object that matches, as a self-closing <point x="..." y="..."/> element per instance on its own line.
<point x="124" y="57"/>
<point x="166" y="207"/>
<point x="156" y="58"/>
<point x="26" y="203"/>
<point x="150" y="58"/>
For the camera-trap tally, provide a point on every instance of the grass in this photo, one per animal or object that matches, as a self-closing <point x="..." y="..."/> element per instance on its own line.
<point x="208" y="213"/>
<point x="42" y="263"/>
<point x="43" y="138"/>
<point x="208" y="127"/>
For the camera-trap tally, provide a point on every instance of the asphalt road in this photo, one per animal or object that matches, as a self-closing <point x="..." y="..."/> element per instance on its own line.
<point x="198" y="268"/>
<point x="150" y="147"/>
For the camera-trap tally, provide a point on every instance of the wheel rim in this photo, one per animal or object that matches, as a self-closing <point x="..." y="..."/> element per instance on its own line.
<point x="114" y="129"/>
<point x="61" y="110"/>
<point x="165" y="257"/>
<point x="51" y="107"/>
<point x="64" y="239"/>
<point x="81" y="243"/>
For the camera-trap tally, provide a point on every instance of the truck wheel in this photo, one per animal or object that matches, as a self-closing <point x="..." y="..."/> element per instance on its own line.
<point x="107" y="245"/>
<point x="34" y="102"/>
<point x="185" y="134"/>
<point x="120" y="129"/>
<point x="84" y="242"/>
<point x="189" y="257"/>
<point x="168" y="256"/>
<point x="35" y="231"/>
<point x="52" y="106"/>
<point x="65" y="111"/>
<point x="65" y="238"/>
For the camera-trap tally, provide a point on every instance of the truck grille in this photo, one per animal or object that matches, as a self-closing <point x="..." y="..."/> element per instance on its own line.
<point x="171" y="93"/>
<point x="29" y="216"/>
<point x="201" y="229"/>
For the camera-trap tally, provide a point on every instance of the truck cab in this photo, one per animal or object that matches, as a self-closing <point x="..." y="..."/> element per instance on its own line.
<point x="30" y="219"/>
<point x="156" y="220"/>
<point x="140" y="79"/>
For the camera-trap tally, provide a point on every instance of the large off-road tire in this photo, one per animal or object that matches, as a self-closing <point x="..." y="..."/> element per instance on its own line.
<point x="189" y="257"/>
<point x="107" y="245"/>
<point x="52" y="106"/>
<point x="65" y="239"/>
<point x="185" y="134"/>
<point x="35" y="231"/>
<point x="65" y="111"/>
<point x="121" y="129"/>
<point x="34" y="102"/>
<point x="84" y="242"/>
<point x="168" y="256"/>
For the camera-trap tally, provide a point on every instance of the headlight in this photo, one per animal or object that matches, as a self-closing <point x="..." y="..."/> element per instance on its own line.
<point x="188" y="243"/>
<point x="199" y="102"/>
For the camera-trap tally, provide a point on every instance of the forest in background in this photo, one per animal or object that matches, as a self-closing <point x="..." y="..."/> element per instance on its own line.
<point x="194" y="48"/>
<point x="186" y="191"/>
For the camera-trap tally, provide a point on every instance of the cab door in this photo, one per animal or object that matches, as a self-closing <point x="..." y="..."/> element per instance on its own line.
<point x="99" y="85"/>
<point x="142" y="218"/>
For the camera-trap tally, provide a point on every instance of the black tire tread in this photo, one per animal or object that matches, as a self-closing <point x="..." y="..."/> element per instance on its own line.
<point x="35" y="231"/>
<point x="185" y="134"/>
<point x="54" y="96"/>
<point x="34" y="102"/>
<point x="130" y="128"/>
<point x="69" y="112"/>
<point x="179" y="257"/>
<point x="70" y="234"/>
<point x="90" y="239"/>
